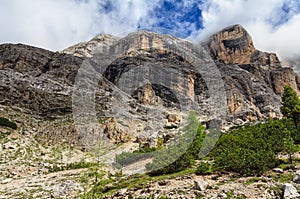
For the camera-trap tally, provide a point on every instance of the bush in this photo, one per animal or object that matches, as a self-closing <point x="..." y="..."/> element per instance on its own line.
<point x="7" y="123"/>
<point x="252" y="150"/>
<point x="203" y="169"/>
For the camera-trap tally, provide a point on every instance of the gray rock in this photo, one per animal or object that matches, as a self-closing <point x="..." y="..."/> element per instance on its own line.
<point x="289" y="191"/>
<point x="10" y="146"/>
<point x="200" y="185"/>
<point x="67" y="188"/>
<point x="297" y="178"/>
<point x="239" y="121"/>
<point x="121" y="192"/>
<point x="7" y="180"/>
<point x="278" y="170"/>
<point x="37" y="80"/>
<point x="222" y="195"/>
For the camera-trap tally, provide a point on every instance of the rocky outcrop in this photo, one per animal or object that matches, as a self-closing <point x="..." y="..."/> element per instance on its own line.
<point x="249" y="98"/>
<point x="146" y="95"/>
<point x="37" y="80"/>
<point x="86" y="49"/>
<point x="281" y="77"/>
<point x="254" y="80"/>
<point x="232" y="45"/>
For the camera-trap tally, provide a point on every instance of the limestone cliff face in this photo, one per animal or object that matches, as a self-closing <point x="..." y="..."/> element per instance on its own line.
<point x="143" y="71"/>
<point x="254" y="80"/>
<point x="232" y="45"/>
<point x="37" y="80"/>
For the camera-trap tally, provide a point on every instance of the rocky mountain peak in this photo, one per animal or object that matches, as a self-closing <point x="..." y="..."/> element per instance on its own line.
<point x="86" y="49"/>
<point x="232" y="45"/>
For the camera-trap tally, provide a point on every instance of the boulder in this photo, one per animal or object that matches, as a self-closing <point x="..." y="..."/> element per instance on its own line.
<point x="200" y="185"/>
<point x="289" y="191"/>
<point x="297" y="178"/>
<point x="174" y="118"/>
<point x="278" y="170"/>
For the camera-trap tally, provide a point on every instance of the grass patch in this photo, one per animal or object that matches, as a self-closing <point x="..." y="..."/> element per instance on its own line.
<point x="204" y="168"/>
<point x="285" y="166"/>
<point x="252" y="180"/>
<point x="229" y="194"/>
<point x="286" y="177"/>
<point x="277" y="189"/>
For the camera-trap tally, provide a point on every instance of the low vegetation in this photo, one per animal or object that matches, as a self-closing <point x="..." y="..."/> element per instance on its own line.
<point x="70" y="166"/>
<point x="204" y="168"/>
<point x="7" y="123"/>
<point x="252" y="150"/>
<point x="107" y="186"/>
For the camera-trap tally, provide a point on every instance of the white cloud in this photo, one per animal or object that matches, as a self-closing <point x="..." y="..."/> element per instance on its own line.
<point x="57" y="24"/>
<point x="262" y="19"/>
<point x="50" y="24"/>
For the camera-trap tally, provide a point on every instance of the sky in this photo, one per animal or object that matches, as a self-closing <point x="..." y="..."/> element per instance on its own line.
<point x="56" y="24"/>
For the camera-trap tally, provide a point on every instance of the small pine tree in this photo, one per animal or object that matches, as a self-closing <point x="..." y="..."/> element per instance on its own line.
<point x="291" y="105"/>
<point x="289" y="146"/>
<point x="188" y="145"/>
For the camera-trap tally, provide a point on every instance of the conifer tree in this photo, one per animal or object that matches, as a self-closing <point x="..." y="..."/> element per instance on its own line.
<point x="291" y="105"/>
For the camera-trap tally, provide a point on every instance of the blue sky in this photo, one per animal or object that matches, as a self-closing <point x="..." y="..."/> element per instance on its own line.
<point x="57" y="24"/>
<point x="174" y="16"/>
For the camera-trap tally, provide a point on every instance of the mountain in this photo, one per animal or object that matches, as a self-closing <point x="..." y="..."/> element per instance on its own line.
<point x="254" y="80"/>
<point x="114" y="94"/>
<point x="146" y="82"/>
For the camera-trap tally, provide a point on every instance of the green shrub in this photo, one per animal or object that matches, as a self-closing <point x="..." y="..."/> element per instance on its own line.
<point x="252" y="180"/>
<point x="7" y="123"/>
<point x="291" y="105"/>
<point x="203" y="168"/>
<point x="252" y="150"/>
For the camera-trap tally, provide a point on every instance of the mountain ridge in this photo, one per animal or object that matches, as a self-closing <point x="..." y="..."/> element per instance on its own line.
<point x="41" y="82"/>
